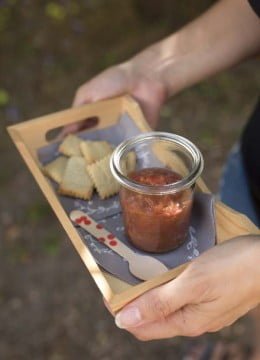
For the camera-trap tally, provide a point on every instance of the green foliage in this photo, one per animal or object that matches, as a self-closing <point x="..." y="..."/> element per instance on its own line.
<point x="109" y="59"/>
<point x="12" y="2"/>
<point x="73" y="8"/>
<point x="210" y="90"/>
<point x="18" y="254"/>
<point x="51" y="245"/>
<point x="166" y="111"/>
<point x="207" y="138"/>
<point x="5" y="176"/>
<point x="55" y="11"/>
<point x="4" y="97"/>
<point x="4" y="17"/>
<point x="37" y="211"/>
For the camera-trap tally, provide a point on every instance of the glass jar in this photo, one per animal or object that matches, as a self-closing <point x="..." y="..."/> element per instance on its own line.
<point x="157" y="172"/>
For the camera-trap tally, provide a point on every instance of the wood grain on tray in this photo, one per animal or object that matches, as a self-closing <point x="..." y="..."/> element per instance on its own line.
<point x="30" y="135"/>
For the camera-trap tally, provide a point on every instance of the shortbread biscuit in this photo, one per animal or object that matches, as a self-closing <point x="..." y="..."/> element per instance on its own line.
<point x="70" y="146"/>
<point x="76" y="181"/>
<point x="102" y="178"/>
<point x="95" y="150"/>
<point x="55" y="169"/>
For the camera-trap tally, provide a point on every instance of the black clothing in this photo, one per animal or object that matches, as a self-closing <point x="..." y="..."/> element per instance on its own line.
<point x="250" y="149"/>
<point x="250" y="142"/>
<point x="255" y="4"/>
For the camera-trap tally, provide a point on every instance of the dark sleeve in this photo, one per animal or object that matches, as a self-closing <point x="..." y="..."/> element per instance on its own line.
<point x="255" y="5"/>
<point x="250" y="149"/>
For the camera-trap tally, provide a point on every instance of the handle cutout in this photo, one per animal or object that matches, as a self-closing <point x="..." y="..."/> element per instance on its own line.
<point x="88" y="123"/>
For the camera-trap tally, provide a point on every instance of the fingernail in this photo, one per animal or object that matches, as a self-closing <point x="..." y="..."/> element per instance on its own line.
<point x="128" y="318"/>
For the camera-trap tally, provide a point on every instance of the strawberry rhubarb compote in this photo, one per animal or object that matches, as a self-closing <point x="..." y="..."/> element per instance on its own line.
<point x="156" y="223"/>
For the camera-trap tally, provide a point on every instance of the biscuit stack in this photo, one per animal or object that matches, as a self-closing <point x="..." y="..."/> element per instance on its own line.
<point x="84" y="166"/>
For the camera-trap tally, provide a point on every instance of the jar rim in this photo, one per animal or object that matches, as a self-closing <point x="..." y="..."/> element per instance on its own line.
<point x="184" y="183"/>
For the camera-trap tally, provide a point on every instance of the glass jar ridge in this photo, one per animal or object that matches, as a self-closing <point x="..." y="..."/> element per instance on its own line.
<point x="168" y="138"/>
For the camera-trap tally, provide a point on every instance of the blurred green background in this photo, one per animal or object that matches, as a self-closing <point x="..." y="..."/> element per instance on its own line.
<point x="50" y="307"/>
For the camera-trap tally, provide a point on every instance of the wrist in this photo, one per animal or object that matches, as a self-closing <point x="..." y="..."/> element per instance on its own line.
<point x="148" y="65"/>
<point x="170" y="62"/>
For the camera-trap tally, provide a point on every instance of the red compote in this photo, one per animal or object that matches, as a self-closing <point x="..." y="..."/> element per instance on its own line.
<point x="156" y="223"/>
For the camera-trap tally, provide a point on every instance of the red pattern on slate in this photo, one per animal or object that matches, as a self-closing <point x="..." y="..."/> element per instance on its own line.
<point x="83" y="219"/>
<point x="87" y="221"/>
<point x="113" y="243"/>
<point x="110" y="236"/>
<point x="98" y="226"/>
<point x="79" y="220"/>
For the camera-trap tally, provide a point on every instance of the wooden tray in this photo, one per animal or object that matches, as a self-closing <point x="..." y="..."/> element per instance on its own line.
<point x="31" y="135"/>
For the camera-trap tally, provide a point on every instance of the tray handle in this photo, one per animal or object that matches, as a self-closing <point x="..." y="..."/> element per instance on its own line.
<point x="33" y="132"/>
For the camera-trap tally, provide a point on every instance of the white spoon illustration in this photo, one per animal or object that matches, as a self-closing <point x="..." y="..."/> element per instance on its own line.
<point x="143" y="267"/>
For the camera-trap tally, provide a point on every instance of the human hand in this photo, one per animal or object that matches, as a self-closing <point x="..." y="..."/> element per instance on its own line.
<point x="215" y="290"/>
<point x="134" y="78"/>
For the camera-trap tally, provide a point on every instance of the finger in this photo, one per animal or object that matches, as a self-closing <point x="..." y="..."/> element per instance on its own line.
<point x="110" y="83"/>
<point x="69" y="129"/>
<point x="83" y="95"/>
<point x="156" y="304"/>
<point x="155" y="331"/>
<point x="86" y="96"/>
<point x="177" y="324"/>
<point x="79" y="126"/>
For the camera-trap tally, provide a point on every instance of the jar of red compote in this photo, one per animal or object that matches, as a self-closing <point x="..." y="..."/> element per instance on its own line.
<point x="157" y="172"/>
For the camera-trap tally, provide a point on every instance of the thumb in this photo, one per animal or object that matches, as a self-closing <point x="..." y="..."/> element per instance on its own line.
<point x="156" y="304"/>
<point x="110" y="83"/>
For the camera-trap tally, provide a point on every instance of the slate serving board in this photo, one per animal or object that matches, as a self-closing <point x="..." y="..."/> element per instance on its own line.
<point x="201" y="235"/>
